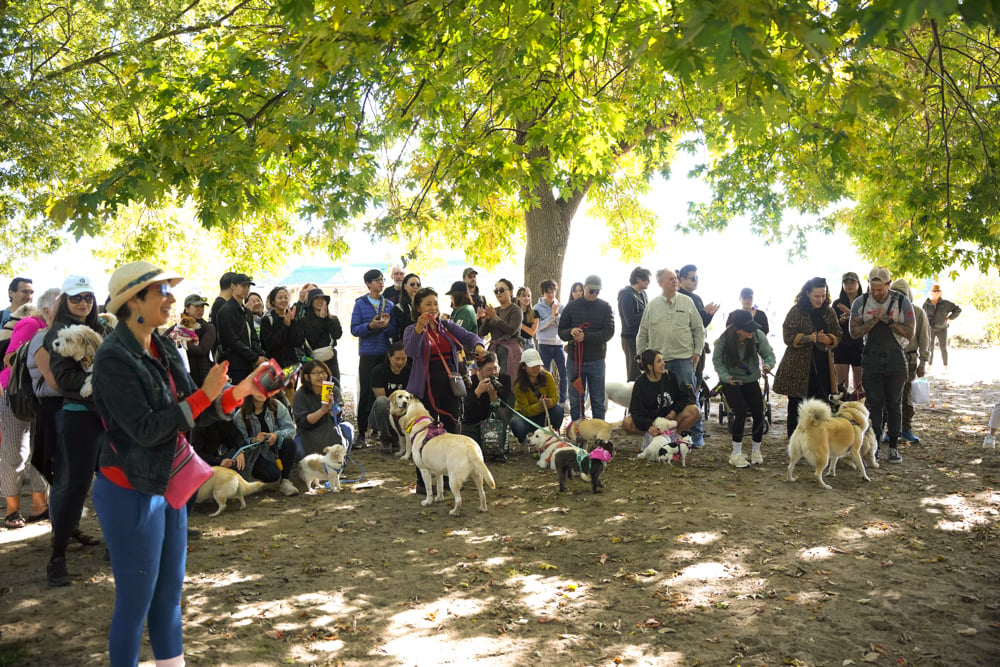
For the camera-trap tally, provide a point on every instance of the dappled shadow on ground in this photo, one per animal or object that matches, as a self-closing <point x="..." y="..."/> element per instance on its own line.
<point x="703" y="565"/>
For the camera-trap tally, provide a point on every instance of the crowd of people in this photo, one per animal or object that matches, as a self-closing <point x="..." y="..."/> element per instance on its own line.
<point x="125" y="413"/>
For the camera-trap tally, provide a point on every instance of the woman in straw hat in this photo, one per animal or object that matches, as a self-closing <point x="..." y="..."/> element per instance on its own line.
<point x="146" y="400"/>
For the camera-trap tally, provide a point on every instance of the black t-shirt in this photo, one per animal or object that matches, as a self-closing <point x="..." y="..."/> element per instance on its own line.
<point x="477" y="408"/>
<point x="384" y="378"/>
<point x="657" y="399"/>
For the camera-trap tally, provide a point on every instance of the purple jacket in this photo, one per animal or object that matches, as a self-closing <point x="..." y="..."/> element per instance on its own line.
<point x="416" y="348"/>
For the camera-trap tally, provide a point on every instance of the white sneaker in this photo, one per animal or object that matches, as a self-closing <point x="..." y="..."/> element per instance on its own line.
<point x="756" y="458"/>
<point x="989" y="442"/>
<point x="738" y="461"/>
<point x="287" y="488"/>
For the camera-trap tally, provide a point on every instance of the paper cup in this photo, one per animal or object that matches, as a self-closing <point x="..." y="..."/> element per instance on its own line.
<point x="329" y="390"/>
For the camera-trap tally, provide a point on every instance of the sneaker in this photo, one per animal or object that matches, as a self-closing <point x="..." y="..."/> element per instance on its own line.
<point x="359" y="442"/>
<point x="894" y="456"/>
<point x="57" y="573"/>
<point x="989" y="442"/>
<point x="287" y="488"/>
<point x="756" y="458"/>
<point x="909" y="437"/>
<point x="738" y="461"/>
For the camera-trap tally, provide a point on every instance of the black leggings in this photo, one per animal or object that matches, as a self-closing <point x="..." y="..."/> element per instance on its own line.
<point x="742" y="398"/>
<point x="74" y="467"/>
<point x="366" y="399"/>
<point x="289" y="453"/>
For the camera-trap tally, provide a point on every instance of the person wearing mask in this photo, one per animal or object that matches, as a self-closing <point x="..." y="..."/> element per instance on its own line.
<point x="403" y="310"/>
<point x="847" y="355"/>
<point x="756" y="314"/>
<point x="147" y="401"/>
<point x="739" y="352"/>
<point x="535" y="394"/>
<point x="389" y="376"/>
<point x="436" y="347"/>
<point x="20" y="291"/>
<point x="885" y="319"/>
<point x="280" y="332"/>
<point x="632" y="302"/>
<point x="462" y="311"/>
<point x="587" y="324"/>
<point x="529" y="319"/>
<point x="810" y="331"/>
<point x="672" y="326"/>
<point x="15" y="440"/>
<point x="78" y="427"/>
<point x="238" y="339"/>
<point x="550" y="346"/>
<point x="393" y="291"/>
<point x="503" y="324"/>
<point x="939" y="313"/>
<point x="372" y="323"/>
<point x="917" y="352"/>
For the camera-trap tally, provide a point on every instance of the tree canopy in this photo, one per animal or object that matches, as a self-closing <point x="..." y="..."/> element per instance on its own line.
<point x="488" y="120"/>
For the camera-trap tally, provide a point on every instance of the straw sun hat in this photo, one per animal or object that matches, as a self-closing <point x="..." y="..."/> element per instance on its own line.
<point x="129" y="280"/>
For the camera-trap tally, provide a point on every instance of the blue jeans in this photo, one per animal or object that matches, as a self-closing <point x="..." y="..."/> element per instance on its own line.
<point x="685" y="371"/>
<point x="550" y="353"/>
<point x="592" y="374"/>
<point x="521" y="428"/>
<point x="147" y="540"/>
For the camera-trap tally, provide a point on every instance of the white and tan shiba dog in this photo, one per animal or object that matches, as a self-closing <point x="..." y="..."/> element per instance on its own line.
<point x="456" y="456"/>
<point x="822" y="437"/>
<point x="224" y="485"/>
<point x="316" y="468"/>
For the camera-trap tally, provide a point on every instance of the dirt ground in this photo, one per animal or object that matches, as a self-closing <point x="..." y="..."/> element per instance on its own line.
<point x="706" y="565"/>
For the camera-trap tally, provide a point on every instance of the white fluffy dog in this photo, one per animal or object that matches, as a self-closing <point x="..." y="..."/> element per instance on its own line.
<point x="619" y="392"/>
<point x="456" y="456"/>
<point x="314" y="469"/>
<point x="79" y="342"/>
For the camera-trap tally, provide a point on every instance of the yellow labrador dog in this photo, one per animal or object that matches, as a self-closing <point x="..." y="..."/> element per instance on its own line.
<point x="225" y="484"/>
<point x="456" y="456"/>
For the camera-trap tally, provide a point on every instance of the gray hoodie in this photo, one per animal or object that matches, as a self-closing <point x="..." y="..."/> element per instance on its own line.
<point x="548" y="325"/>
<point x="920" y="343"/>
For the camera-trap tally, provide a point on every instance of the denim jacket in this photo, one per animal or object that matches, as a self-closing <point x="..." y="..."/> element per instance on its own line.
<point x="141" y="414"/>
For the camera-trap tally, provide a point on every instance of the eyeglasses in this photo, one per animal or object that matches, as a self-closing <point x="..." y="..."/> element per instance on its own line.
<point x="593" y="291"/>
<point x="80" y="298"/>
<point x="500" y="290"/>
<point x="320" y="374"/>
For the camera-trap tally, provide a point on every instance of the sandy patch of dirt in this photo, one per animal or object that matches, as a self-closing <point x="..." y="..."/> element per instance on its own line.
<point x="706" y="565"/>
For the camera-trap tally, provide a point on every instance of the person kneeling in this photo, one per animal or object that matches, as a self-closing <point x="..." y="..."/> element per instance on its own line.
<point x="489" y="388"/>
<point x="535" y="394"/>
<point x="267" y="450"/>
<point x="658" y="392"/>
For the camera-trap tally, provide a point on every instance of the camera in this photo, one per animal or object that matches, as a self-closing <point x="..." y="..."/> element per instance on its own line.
<point x="496" y="383"/>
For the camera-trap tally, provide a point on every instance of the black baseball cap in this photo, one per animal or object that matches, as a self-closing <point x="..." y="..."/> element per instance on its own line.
<point x="743" y="320"/>
<point x="242" y="279"/>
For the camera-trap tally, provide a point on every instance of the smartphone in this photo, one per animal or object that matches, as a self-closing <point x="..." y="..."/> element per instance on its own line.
<point x="274" y="377"/>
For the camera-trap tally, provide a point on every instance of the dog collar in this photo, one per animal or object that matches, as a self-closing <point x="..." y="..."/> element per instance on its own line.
<point x="600" y="454"/>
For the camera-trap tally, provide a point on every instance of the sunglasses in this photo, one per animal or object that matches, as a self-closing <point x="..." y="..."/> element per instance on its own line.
<point x="593" y="291"/>
<point x="162" y="288"/>
<point x="80" y="298"/>
<point x="413" y="284"/>
<point x="500" y="290"/>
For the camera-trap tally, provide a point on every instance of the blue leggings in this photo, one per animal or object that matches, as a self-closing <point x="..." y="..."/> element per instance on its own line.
<point x="147" y="540"/>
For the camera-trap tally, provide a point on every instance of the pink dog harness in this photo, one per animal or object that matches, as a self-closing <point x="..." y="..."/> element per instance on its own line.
<point x="600" y="454"/>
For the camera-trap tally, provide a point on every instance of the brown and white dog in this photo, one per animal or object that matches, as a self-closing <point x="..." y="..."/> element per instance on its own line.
<point x="224" y="485"/>
<point x="456" y="456"/>
<point x="79" y="342"/>
<point x="589" y="430"/>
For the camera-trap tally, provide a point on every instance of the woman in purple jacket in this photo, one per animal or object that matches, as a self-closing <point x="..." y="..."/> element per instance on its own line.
<point x="436" y="348"/>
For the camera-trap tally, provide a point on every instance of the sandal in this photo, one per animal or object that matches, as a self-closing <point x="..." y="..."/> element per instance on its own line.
<point x="14" y="520"/>
<point x="83" y="538"/>
<point x="41" y="516"/>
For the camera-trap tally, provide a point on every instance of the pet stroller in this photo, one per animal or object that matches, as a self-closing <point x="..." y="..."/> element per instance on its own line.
<point x="726" y="413"/>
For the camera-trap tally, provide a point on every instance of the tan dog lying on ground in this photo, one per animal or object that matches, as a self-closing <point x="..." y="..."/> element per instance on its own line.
<point x="821" y="438"/>
<point x="224" y="485"/>
<point x="589" y="430"/>
<point x="456" y="456"/>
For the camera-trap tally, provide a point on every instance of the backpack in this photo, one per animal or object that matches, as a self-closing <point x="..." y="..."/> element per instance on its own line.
<point x="20" y="394"/>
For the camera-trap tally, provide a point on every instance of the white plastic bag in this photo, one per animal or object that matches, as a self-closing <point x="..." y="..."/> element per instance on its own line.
<point x="920" y="392"/>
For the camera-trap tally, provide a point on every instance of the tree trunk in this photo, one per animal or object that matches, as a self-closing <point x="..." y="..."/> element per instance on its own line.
<point x="548" y="226"/>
